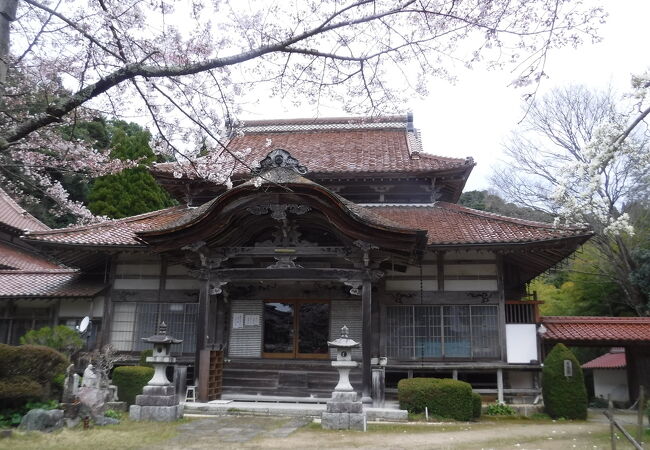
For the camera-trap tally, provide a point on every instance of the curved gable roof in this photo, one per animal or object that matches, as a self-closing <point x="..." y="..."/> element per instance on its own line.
<point x="214" y="217"/>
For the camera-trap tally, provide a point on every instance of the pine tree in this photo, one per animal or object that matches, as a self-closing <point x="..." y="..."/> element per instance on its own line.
<point x="132" y="191"/>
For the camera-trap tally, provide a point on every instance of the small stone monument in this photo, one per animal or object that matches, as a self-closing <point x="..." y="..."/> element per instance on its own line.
<point x="344" y="411"/>
<point x="158" y="401"/>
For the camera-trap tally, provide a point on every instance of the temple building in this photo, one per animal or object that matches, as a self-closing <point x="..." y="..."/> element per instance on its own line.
<point x="330" y="222"/>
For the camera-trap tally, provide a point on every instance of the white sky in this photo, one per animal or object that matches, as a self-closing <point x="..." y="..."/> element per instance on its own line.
<point x="473" y="117"/>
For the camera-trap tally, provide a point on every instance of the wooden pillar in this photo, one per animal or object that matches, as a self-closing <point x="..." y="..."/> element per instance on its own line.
<point x="107" y="316"/>
<point x="500" y="386"/>
<point x="366" y="344"/>
<point x="202" y="325"/>
<point x="220" y="321"/>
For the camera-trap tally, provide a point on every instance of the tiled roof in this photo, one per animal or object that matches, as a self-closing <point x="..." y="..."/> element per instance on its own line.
<point x="615" y="359"/>
<point x="12" y="215"/>
<point x="448" y="223"/>
<point x="46" y="284"/>
<point x="120" y="232"/>
<point x="602" y="329"/>
<point x="12" y="257"/>
<point x="338" y="145"/>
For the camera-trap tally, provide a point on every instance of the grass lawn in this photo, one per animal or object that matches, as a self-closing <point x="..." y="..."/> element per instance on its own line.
<point x="127" y="434"/>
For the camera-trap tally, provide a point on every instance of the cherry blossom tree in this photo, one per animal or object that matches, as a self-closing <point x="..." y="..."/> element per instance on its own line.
<point x="188" y="65"/>
<point x="584" y="157"/>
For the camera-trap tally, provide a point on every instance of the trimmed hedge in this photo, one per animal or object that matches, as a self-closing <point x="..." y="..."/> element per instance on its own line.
<point x="143" y="357"/>
<point x="27" y="373"/>
<point x="563" y="396"/>
<point x="19" y="389"/>
<point x="35" y="361"/>
<point x="443" y="397"/>
<point x="477" y="404"/>
<point x="130" y="380"/>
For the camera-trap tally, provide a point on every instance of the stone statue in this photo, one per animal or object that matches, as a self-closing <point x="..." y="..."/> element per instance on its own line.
<point x="90" y="377"/>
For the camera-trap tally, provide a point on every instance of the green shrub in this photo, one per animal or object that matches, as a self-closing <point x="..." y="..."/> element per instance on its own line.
<point x="113" y="414"/>
<point x="499" y="409"/>
<point x="477" y="404"/>
<point x="35" y="361"/>
<point x="143" y="357"/>
<point x="130" y="380"/>
<point x="27" y="373"/>
<point x="61" y="338"/>
<point x="15" y="389"/>
<point x="443" y="397"/>
<point x="563" y="396"/>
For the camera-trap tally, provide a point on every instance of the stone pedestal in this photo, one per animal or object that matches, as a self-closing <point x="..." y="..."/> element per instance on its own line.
<point x="156" y="403"/>
<point x="344" y="412"/>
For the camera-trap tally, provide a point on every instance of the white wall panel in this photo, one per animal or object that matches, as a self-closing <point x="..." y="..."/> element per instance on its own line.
<point x="411" y="285"/>
<point x="134" y="283"/>
<point x="171" y="284"/>
<point x="611" y="381"/>
<point x="470" y="269"/>
<point x="471" y="285"/>
<point x="521" y="343"/>
<point x="137" y="269"/>
<point x="469" y="254"/>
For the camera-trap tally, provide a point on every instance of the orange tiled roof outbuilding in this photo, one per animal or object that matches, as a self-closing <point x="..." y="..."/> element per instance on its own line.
<point x="614" y="359"/>
<point x="597" y="329"/>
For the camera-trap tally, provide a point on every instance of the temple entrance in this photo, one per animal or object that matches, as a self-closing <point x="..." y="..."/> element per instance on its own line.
<point x="296" y="329"/>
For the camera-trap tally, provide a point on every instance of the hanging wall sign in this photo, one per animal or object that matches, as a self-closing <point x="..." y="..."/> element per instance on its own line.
<point x="238" y="320"/>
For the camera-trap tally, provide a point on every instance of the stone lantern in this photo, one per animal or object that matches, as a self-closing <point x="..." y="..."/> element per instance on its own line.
<point x="158" y="401"/>
<point x="344" y="411"/>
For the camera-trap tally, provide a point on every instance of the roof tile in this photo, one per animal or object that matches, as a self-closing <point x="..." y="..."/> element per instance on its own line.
<point x="445" y="223"/>
<point x="448" y="223"/>
<point x="337" y="145"/>
<point x="46" y="284"/>
<point x="589" y="329"/>
<point x="12" y="257"/>
<point x="13" y="215"/>
<point x="614" y="359"/>
<point x="120" y="232"/>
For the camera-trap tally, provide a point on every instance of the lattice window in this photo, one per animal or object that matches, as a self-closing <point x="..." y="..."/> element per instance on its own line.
<point x="442" y="332"/>
<point x="134" y="321"/>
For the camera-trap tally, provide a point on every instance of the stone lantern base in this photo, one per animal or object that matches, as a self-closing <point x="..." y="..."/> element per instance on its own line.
<point x="158" y="404"/>
<point x="344" y="412"/>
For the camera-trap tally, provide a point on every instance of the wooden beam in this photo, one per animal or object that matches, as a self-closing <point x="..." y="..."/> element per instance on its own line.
<point x="291" y="274"/>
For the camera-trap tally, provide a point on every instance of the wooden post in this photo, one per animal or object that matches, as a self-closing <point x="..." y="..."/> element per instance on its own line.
<point x="610" y="410"/>
<point x="640" y="413"/>
<point x="366" y="344"/>
<point x="202" y="325"/>
<point x="500" y="386"/>
<point x="378" y="385"/>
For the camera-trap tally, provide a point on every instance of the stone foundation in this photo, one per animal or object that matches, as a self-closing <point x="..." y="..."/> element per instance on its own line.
<point x="344" y="412"/>
<point x="157" y="404"/>
<point x="156" y="413"/>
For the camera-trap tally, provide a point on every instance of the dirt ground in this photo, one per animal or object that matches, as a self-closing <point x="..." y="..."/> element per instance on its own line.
<point x="516" y="434"/>
<point x="255" y="432"/>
